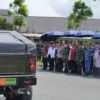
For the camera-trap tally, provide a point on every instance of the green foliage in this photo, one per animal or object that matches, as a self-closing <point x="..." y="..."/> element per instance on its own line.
<point x="85" y="42"/>
<point x="27" y="31"/>
<point x="30" y="32"/>
<point x="96" y="0"/>
<point x="71" y="21"/>
<point x="33" y="31"/>
<point x="19" y="21"/>
<point x="23" y="10"/>
<point x="18" y="2"/>
<point x="97" y="31"/>
<point x="4" y="24"/>
<point x="10" y="13"/>
<point x="18" y="10"/>
<point x="80" y="12"/>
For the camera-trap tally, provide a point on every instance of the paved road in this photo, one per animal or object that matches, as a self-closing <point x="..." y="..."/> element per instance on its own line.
<point x="59" y="86"/>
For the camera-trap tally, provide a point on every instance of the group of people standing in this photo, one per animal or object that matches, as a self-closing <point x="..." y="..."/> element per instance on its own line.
<point x="71" y="57"/>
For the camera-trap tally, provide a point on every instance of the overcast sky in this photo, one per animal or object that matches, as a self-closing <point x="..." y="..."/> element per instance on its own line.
<point x="53" y="8"/>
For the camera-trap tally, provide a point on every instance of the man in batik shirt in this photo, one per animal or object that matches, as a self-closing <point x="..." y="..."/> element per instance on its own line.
<point x="65" y="56"/>
<point x="79" y="59"/>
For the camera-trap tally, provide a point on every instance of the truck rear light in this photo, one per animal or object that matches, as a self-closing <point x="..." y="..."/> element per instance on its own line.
<point x="28" y="81"/>
<point x="32" y="64"/>
<point x="32" y="67"/>
<point x="31" y="60"/>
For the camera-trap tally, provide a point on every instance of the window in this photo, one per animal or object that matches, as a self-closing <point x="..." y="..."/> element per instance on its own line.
<point x="7" y="37"/>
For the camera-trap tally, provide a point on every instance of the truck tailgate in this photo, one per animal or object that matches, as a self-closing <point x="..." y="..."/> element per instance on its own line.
<point x="13" y="64"/>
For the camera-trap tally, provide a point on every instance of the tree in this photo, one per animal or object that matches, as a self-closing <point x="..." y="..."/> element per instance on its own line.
<point x="18" y="10"/>
<point x="95" y="0"/>
<point x="71" y="21"/>
<point x="4" y="25"/>
<point x="97" y="31"/>
<point x="81" y="12"/>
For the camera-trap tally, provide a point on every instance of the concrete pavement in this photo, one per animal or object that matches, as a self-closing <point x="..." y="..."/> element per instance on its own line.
<point x="59" y="86"/>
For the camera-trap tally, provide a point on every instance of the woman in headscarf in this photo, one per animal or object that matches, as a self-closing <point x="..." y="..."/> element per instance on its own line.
<point x="88" y="59"/>
<point x="96" y="58"/>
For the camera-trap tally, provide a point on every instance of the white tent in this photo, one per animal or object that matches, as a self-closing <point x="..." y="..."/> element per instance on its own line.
<point x="32" y="35"/>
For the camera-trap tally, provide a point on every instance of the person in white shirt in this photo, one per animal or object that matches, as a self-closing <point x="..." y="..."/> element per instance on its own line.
<point x="51" y="56"/>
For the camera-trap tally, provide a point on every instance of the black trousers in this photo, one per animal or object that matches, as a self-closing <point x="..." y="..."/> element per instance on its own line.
<point x="79" y="66"/>
<point x="45" y="62"/>
<point x="96" y="71"/>
<point x="72" y="66"/>
<point x="51" y="62"/>
<point x="39" y="58"/>
<point x="59" y="64"/>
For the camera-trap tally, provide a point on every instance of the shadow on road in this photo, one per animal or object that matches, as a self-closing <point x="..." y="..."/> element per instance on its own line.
<point x="68" y="74"/>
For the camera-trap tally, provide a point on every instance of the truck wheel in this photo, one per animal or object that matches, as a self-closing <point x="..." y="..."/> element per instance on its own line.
<point x="26" y="96"/>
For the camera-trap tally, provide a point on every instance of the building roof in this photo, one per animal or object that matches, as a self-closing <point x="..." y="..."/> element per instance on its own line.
<point x="3" y="12"/>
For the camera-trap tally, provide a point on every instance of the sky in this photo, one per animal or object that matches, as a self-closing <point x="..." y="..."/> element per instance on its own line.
<point x="53" y="8"/>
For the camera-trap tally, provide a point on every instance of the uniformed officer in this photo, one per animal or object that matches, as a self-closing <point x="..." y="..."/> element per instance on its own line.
<point x="65" y="57"/>
<point x="79" y="59"/>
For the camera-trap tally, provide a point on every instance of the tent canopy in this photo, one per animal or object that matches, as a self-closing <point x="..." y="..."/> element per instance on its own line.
<point x="86" y="33"/>
<point x="52" y="36"/>
<point x="96" y="36"/>
<point x="71" y="33"/>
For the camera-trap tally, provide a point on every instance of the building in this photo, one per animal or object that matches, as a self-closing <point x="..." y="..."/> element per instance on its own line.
<point x="3" y="12"/>
<point x="44" y="24"/>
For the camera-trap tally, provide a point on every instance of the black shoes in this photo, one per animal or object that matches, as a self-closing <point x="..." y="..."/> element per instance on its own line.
<point x="50" y="70"/>
<point x="66" y="71"/>
<point x="44" y="69"/>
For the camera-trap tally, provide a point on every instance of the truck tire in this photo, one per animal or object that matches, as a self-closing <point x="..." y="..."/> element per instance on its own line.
<point x="26" y="96"/>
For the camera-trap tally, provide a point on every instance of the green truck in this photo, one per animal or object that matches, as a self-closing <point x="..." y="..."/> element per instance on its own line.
<point x="17" y="66"/>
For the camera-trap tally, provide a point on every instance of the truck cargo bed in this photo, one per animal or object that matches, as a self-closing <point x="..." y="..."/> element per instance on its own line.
<point x="13" y="64"/>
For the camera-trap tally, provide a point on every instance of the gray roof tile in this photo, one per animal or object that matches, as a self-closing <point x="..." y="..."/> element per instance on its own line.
<point x="3" y="12"/>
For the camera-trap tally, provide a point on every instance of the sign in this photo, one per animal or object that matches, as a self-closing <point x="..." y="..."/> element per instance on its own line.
<point x="7" y="81"/>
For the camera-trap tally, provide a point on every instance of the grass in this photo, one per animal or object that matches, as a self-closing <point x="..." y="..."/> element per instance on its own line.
<point x="39" y="63"/>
